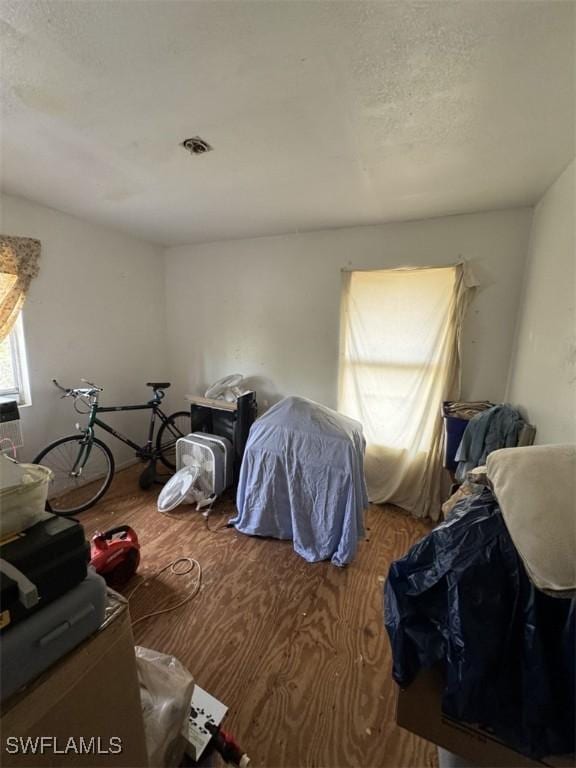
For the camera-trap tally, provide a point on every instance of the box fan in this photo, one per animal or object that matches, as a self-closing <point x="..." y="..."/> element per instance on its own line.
<point x="204" y="470"/>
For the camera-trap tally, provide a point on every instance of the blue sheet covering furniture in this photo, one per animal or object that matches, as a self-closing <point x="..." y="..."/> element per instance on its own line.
<point x="302" y="478"/>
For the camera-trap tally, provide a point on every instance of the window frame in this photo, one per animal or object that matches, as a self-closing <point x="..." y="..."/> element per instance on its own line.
<point x="20" y="393"/>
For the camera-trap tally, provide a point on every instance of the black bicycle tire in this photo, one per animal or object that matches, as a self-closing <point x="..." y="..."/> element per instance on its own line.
<point x="96" y="499"/>
<point x="159" y="452"/>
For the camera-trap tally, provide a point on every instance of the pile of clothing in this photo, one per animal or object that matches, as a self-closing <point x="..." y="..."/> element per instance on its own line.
<point x="492" y="428"/>
<point x="489" y="596"/>
<point x="465" y="409"/>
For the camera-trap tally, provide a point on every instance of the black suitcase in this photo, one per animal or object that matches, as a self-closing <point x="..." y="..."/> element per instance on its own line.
<point x="51" y="555"/>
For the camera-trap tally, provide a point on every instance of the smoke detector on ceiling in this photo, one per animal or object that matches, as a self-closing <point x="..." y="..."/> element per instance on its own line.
<point x="196" y="145"/>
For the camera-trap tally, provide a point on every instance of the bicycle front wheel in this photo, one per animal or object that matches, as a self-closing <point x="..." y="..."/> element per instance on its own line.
<point x="81" y="475"/>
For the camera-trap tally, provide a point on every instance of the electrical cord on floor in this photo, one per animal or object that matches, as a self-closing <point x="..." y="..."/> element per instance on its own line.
<point x="179" y="516"/>
<point x="174" y="566"/>
<point x="219" y="528"/>
<point x="222" y="526"/>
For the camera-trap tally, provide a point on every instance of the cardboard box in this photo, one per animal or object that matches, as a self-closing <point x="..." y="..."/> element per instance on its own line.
<point x="89" y="700"/>
<point x="419" y="710"/>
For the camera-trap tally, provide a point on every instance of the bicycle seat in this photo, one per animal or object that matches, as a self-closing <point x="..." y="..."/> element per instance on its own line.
<point x="158" y="384"/>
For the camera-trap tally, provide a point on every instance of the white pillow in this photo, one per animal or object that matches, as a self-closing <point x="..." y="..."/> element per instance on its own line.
<point x="535" y="487"/>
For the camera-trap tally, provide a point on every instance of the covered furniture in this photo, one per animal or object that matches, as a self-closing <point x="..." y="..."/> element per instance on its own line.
<point x="302" y="478"/>
<point x="487" y="597"/>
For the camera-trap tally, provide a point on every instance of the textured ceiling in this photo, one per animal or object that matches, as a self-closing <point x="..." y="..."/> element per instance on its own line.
<point x="321" y="114"/>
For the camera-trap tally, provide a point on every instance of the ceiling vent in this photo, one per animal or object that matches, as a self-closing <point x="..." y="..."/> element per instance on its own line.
<point x="196" y="145"/>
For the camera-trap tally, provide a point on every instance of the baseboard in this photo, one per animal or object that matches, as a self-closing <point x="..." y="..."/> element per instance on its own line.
<point x="127" y="463"/>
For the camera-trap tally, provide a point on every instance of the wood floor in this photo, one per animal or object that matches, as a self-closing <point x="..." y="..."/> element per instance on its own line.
<point x="297" y="651"/>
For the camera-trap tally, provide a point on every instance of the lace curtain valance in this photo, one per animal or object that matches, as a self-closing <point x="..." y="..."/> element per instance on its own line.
<point x="18" y="265"/>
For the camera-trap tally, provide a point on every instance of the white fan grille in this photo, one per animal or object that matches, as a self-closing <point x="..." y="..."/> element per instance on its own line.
<point x="11" y="437"/>
<point x="190" y="453"/>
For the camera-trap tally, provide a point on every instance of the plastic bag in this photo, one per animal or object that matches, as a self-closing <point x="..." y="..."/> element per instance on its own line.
<point x="166" y="689"/>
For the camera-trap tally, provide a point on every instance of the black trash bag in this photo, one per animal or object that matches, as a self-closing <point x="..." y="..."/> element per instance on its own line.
<point x="461" y="597"/>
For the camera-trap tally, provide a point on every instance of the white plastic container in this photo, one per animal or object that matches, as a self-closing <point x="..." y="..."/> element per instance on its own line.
<point x="23" y="504"/>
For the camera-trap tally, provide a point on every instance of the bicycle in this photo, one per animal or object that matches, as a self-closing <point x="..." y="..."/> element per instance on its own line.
<point x="83" y="465"/>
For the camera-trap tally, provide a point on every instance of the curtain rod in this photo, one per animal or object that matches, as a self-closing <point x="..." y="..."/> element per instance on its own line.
<point x="461" y="262"/>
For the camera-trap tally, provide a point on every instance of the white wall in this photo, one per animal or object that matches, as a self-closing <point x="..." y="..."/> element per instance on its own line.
<point x="96" y="310"/>
<point x="543" y="371"/>
<point x="269" y="307"/>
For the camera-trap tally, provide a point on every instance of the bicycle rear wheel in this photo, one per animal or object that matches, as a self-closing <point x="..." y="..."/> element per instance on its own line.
<point x="178" y="425"/>
<point x="69" y="495"/>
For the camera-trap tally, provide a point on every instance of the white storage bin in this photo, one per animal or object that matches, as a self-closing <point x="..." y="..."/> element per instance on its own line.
<point x="23" y="503"/>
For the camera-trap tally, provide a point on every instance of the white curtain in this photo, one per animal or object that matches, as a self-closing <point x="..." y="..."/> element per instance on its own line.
<point x="399" y="359"/>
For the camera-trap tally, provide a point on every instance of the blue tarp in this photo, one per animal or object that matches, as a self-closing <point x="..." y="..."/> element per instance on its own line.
<point x="302" y="478"/>
<point x="461" y="598"/>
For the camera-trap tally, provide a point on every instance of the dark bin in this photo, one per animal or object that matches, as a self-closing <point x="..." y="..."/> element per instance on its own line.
<point x="453" y="431"/>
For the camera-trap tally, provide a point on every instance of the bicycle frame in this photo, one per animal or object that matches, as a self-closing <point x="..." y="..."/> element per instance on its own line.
<point x="145" y="452"/>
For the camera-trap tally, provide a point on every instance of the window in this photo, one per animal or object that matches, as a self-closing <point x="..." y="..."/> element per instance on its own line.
<point x="394" y="353"/>
<point x="398" y="361"/>
<point x="14" y="384"/>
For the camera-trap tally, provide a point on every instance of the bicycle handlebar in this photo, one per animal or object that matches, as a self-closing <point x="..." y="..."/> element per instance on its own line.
<point x="79" y="391"/>
<point x="92" y="385"/>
